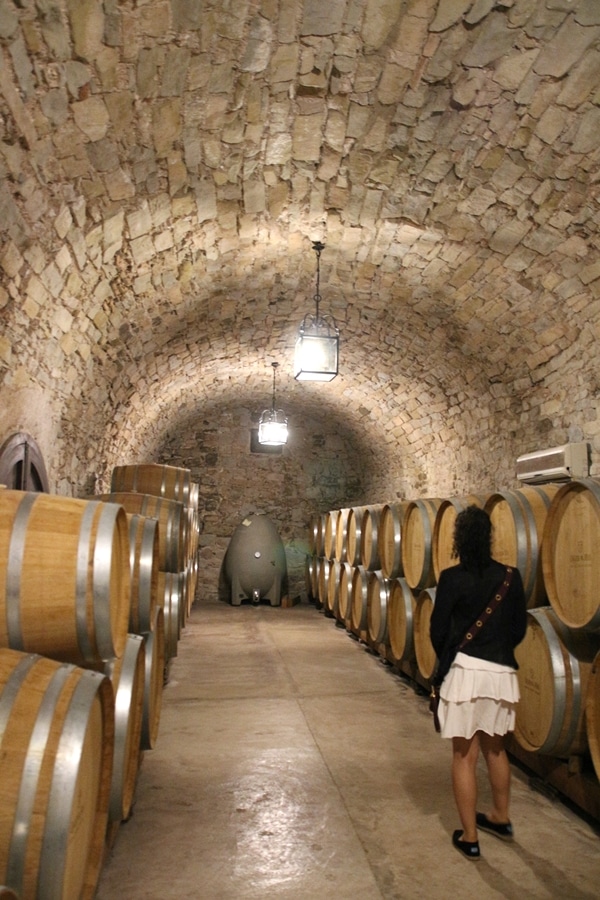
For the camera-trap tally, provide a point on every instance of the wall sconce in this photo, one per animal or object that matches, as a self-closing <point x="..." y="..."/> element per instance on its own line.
<point x="272" y="427"/>
<point x="316" y="357"/>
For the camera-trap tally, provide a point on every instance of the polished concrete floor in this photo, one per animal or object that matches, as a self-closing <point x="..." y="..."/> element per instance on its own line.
<point x="293" y="763"/>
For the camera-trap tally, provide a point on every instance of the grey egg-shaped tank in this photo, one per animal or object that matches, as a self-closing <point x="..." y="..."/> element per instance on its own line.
<point x="254" y="566"/>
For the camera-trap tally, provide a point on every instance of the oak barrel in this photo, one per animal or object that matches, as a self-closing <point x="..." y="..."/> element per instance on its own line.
<point x="171" y="482"/>
<point x="172" y="524"/>
<point x="443" y="530"/>
<point x="345" y="594"/>
<point x="341" y="535"/>
<point x="518" y="520"/>
<point x="377" y="607"/>
<point x="369" y="544"/>
<point x="65" y="590"/>
<point x="570" y="552"/>
<point x="333" y="587"/>
<point x="417" y="557"/>
<point x="313" y="528"/>
<point x="127" y="677"/>
<point x="592" y="714"/>
<point x="309" y="569"/>
<point x="359" y="599"/>
<point x="331" y="518"/>
<point x="401" y="614"/>
<point x="354" y="532"/>
<point x="56" y="746"/>
<point x="323" y="580"/>
<point x="554" y="667"/>
<point x="389" y="538"/>
<point x="170" y="598"/>
<point x="143" y="564"/>
<point x="424" y="652"/>
<point x="154" y="667"/>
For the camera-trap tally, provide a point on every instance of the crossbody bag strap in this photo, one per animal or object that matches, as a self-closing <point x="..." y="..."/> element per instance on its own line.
<point x="489" y="609"/>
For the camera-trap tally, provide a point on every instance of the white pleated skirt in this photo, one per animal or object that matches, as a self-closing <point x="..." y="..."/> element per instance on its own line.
<point x="478" y="695"/>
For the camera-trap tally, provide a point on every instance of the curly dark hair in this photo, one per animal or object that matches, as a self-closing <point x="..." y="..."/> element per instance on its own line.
<point x="473" y="538"/>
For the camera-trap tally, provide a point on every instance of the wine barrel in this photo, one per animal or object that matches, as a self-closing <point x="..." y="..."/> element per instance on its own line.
<point x="401" y="614"/>
<point x="359" y="599"/>
<point x="314" y="578"/>
<point x="592" y="714"/>
<point x="323" y="580"/>
<point x="424" y="652"/>
<point x="143" y="564"/>
<point x="170" y="598"/>
<point x="170" y="482"/>
<point x="154" y="667"/>
<point x="341" y="535"/>
<point x="345" y="594"/>
<point x="554" y="668"/>
<point x="518" y="519"/>
<point x="56" y="746"/>
<point x="353" y="537"/>
<point x="333" y="588"/>
<point x="417" y="558"/>
<point x="377" y="607"/>
<point x="369" y="549"/>
<point x="320" y="534"/>
<point x="127" y="675"/>
<point x="313" y="528"/>
<point x="65" y="592"/>
<point x="570" y="551"/>
<point x="389" y="538"/>
<point x="443" y="530"/>
<point x="310" y="562"/>
<point x="172" y="524"/>
<point x="329" y="538"/>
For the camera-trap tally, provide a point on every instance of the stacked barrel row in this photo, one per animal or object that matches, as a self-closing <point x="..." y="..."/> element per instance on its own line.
<point x="82" y="659"/>
<point x="375" y="569"/>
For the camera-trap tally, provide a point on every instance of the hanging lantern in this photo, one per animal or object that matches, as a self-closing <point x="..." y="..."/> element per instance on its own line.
<point x="316" y="356"/>
<point x="272" y="426"/>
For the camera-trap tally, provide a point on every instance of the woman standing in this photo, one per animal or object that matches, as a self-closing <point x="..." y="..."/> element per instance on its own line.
<point x="480" y="692"/>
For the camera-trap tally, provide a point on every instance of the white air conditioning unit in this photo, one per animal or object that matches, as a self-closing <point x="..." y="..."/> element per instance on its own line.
<point x="555" y="464"/>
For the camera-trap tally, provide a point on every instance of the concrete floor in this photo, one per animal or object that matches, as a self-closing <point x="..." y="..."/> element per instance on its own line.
<point x="293" y="763"/>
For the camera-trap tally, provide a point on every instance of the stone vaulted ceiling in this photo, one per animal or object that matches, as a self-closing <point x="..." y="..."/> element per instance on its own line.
<point x="167" y="164"/>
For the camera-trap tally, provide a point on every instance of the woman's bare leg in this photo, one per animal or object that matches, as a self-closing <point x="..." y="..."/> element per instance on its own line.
<point x="464" y="782"/>
<point x="496" y="760"/>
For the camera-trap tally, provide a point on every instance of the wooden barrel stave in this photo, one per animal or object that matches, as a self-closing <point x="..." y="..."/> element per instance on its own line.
<point x="56" y="745"/>
<point x="66" y="590"/>
<point x="424" y="652"/>
<point x="359" y="591"/>
<point x="389" y="538"/>
<point x="417" y="558"/>
<point x="554" y="667"/>
<point x="170" y="482"/>
<point x="172" y="524"/>
<point x="154" y="656"/>
<point x="401" y="614"/>
<point x="143" y="564"/>
<point x="127" y="676"/>
<point x="377" y="607"/>
<point x="570" y="550"/>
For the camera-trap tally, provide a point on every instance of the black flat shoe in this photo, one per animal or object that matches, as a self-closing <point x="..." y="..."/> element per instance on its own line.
<point x="470" y="849"/>
<point x="503" y="830"/>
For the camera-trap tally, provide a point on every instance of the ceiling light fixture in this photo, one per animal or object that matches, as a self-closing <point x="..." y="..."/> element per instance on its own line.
<point x="316" y="356"/>
<point x="272" y="427"/>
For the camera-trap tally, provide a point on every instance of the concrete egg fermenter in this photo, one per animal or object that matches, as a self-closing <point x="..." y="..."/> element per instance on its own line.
<point x="254" y="566"/>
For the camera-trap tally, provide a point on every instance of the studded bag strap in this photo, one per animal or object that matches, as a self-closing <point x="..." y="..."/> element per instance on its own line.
<point x="489" y="609"/>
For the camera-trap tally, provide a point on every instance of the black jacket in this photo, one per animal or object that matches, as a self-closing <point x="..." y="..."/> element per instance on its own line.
<point x="462" y="595"/>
